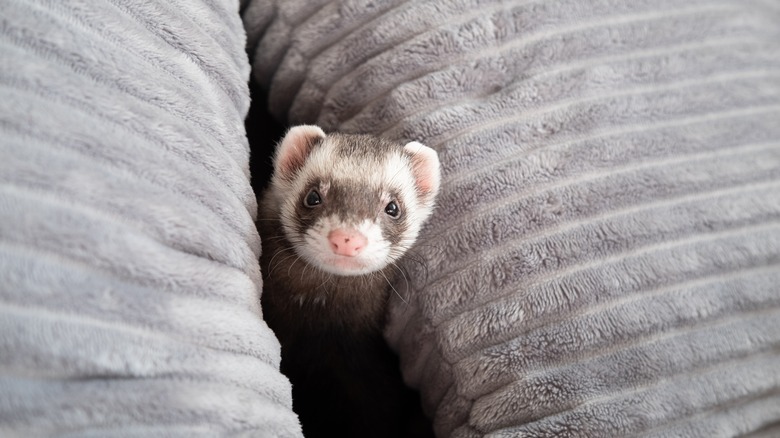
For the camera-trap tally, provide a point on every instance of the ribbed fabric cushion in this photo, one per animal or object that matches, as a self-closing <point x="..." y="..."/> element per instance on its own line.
<point x="129" y="277"/>
<point x="604" y="257"/>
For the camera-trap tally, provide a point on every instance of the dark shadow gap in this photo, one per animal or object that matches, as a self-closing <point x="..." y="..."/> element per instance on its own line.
<point x="262" y="131"/>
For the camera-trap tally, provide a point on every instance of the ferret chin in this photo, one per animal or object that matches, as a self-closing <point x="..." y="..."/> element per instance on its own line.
<point x="339" y="213"/>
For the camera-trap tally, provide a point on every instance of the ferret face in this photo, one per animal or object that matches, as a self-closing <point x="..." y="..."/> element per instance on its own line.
<point x="352" y="204"/>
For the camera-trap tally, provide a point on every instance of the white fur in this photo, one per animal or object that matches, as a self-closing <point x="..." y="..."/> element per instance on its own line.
<point x="317" y="252"/>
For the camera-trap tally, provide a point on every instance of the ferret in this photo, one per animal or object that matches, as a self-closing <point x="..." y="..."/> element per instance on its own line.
<point x="340" y="211"/>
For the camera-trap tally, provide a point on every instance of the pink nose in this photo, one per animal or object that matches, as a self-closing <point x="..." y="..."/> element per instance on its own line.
<point x="347" y="242"/>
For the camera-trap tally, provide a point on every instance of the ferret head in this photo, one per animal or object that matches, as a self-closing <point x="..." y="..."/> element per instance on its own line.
<point x="352" y="204"/>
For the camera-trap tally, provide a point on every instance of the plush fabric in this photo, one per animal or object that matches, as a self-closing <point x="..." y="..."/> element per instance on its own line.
<point x="603" y="260"/>
<point x="129" y="277"/>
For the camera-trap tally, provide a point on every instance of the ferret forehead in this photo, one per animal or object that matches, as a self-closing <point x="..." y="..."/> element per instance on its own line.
<point x="360" y="147"/>
<point x="362" y="159"/>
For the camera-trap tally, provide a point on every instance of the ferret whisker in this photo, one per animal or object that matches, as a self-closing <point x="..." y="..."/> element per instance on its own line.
<point x="292" y="264"/>
<point x="429" y="245"/>
<point x="325" y="281"/>
<point x="274" y="238"/>
<point x="403" y="274"/>
<point x="303" y="272"/>
<point x="276" y="254"/>
<point x="393" y="288"/>
<point x="279" y="251"/>
<point x="418" y="260"/>
<point x="281" y="262"/>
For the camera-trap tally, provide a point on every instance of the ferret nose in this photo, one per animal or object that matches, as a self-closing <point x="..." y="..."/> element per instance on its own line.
<point x="347" y="242"/>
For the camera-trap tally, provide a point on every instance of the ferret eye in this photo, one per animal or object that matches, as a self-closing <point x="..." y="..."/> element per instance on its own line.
<point x="312" y="199"/>
<point x="392" y="210"/>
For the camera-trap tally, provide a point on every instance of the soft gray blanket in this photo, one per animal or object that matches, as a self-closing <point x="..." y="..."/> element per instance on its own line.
<point x="604" y="258"/>
<point x="129" y="279"/>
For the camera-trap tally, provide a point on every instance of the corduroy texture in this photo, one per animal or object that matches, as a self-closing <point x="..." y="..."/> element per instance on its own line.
<point x="603" y="260"/>
<point x="129" y="277"/>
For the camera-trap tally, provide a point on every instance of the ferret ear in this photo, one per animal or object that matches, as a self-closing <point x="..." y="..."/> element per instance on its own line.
<point x="295" y="148"/>
<point x="425" y="162"/>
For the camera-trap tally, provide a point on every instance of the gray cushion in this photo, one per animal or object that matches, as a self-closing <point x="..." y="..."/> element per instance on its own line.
<point x="603" y="260"/>
<point x="129" y="279"/>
